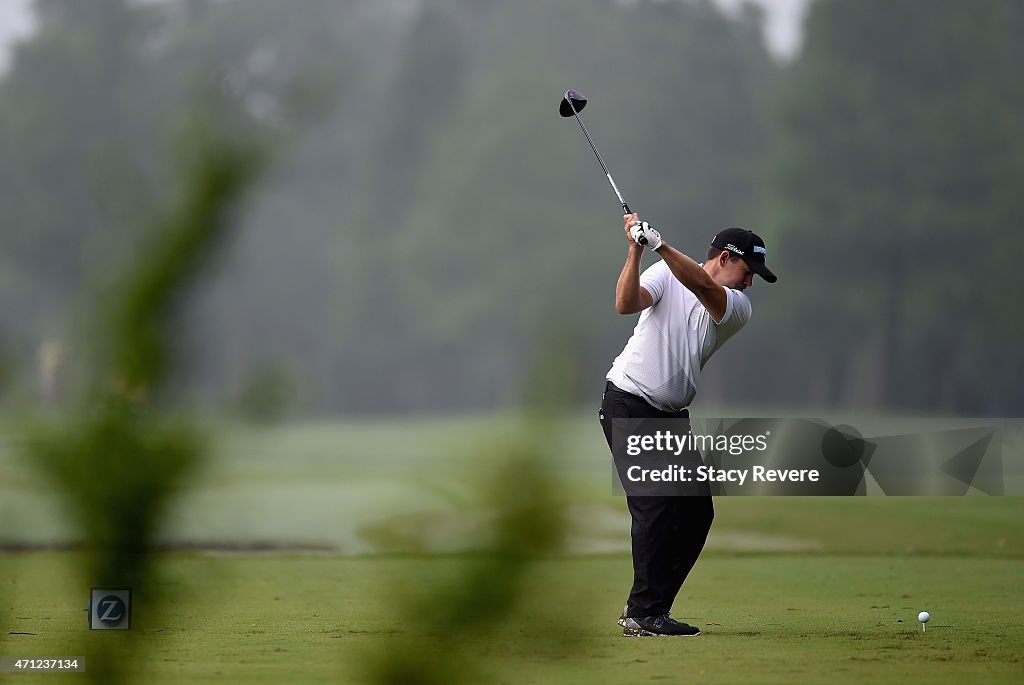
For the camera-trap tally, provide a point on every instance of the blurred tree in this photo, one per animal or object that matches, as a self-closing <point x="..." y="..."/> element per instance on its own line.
<point x="76" y="133"/>
<point x="892" y="193"/>
<point x="276" y="299"/>
<point x="508" y="223"/>
<point x="445" y="144"/>
<point x="121" y="455"/>
<point x="435" y="125"/>
<point x="85" y="115"/>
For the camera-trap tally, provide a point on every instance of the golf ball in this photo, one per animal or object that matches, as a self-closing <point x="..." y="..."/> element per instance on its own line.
<point x="924" y="617"/>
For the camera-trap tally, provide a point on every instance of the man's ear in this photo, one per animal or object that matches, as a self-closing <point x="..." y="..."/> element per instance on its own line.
<point x="723" y="258"/>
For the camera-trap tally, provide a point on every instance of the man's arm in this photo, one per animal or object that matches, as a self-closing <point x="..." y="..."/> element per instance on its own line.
<point x="697" y="280"/>
<point x="630" y="298"/>
<point x="689" y="273"/>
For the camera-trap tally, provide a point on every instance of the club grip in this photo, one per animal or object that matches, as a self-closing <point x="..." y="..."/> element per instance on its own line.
<point x="625" y="208"/>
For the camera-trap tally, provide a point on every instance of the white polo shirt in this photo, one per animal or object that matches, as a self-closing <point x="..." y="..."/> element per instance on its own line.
<point x="673" y="340"/>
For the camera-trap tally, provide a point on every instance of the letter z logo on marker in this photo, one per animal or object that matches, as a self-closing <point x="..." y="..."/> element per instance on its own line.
<point x="111" y="610"/>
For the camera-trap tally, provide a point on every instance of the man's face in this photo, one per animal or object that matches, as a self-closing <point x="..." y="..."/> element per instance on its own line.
<point x="735" y="274"/>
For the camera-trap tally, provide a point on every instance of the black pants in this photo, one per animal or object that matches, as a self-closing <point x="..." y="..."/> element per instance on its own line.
<point x="668" y="533"/>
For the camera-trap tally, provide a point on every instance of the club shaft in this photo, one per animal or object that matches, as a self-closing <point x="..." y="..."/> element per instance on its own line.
<point x="618" y="194"/>
<point x="600" y="161"/>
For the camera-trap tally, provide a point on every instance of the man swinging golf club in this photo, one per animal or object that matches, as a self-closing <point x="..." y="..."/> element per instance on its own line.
<point x="688" y="311"/>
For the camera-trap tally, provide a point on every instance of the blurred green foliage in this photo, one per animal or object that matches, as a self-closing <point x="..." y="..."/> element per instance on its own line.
<point x="120" y="454"/>
<point x="486" y="588"/>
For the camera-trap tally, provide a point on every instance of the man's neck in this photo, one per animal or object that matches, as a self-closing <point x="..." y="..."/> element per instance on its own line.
<point x="709" y="267"/>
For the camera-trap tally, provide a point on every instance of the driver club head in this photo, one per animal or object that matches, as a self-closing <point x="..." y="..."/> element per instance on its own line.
<point x="577" y="101"/>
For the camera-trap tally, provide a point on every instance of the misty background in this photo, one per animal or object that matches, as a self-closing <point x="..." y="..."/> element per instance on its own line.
<point x="432" y="231"/>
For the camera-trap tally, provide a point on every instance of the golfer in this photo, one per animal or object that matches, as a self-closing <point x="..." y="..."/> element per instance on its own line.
<point x="688" y="311"/>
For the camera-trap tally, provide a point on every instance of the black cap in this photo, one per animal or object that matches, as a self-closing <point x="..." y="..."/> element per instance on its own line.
<point x="749" y="246"/>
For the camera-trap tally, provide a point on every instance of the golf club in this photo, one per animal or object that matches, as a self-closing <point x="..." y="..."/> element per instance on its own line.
<point x="572" y="103"/>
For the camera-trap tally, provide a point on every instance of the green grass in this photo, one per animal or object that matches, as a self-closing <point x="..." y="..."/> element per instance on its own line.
<point x="789" y="589"/>
<point x="766" y="618"/>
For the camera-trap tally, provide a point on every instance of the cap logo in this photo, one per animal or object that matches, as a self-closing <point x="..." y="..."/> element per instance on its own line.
<point x="758" y="248"/>
<point x="733" y="248"/>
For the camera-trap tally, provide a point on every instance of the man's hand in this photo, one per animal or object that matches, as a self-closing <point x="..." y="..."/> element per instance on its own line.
<point x="636" y="229"/>
<point x="645" y="230"/>
<point x="631" y="220"/>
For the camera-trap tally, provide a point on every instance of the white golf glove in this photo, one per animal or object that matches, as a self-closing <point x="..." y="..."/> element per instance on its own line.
<point x="645" y="230"/>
